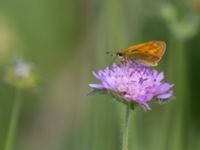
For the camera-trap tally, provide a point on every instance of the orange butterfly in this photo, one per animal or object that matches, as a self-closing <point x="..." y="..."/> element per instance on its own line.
<point x="148" y="53"/>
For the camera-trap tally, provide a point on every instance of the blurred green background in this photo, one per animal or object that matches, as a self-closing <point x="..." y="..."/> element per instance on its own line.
<point x="66" y="40"/>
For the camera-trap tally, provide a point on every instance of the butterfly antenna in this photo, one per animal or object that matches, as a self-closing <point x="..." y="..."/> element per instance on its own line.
<point x="111" y="54"/>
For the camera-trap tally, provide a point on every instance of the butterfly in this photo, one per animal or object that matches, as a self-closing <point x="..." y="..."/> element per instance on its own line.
<point x="147" y="54"/>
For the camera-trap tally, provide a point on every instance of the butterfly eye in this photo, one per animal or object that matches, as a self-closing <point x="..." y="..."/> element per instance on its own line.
<point x="120" y="54"/>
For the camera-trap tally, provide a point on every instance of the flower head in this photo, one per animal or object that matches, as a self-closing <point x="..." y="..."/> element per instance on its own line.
<point x="21" y="75"/>
<point x="133" y="82"/>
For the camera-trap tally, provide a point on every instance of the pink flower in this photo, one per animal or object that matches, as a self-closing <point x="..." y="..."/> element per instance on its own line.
<point x="133" y="82"/>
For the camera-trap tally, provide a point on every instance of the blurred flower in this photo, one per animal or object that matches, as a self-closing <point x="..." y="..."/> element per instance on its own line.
<point x="21" y="75"/>
<point x="168" y="12"/>
<point x="134" y="83"/>
<point x="184" y="27"/>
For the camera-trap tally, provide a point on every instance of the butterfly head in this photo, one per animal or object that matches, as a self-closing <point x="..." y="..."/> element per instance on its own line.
<point x="120" y="54"/>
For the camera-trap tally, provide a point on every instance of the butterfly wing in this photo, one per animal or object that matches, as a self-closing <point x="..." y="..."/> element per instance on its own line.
<point x="148" y="53"/>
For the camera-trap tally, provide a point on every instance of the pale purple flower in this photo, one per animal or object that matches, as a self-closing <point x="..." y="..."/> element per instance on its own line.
<point x="134" y="83"/>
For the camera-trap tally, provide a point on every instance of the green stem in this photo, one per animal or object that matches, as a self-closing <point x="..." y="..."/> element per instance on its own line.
<point x="13" y="121"/>
<point x="126" y="125"/>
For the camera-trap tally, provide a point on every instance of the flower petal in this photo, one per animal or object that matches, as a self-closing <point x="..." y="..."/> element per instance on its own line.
<point x="149" y="97"/>
<point x="160" y="77"/>
<point x="163" y="88"/>
<point x="95" y="75"/>
<point x="96" y="86"/>
<point x="145" y="106"/>
<point x="165" y="96"/>
<point x="154" y="73"/>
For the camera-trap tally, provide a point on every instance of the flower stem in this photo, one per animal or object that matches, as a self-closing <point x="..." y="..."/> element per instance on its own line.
<point x="126" y="125"/>
<point x="13" y="120"/>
